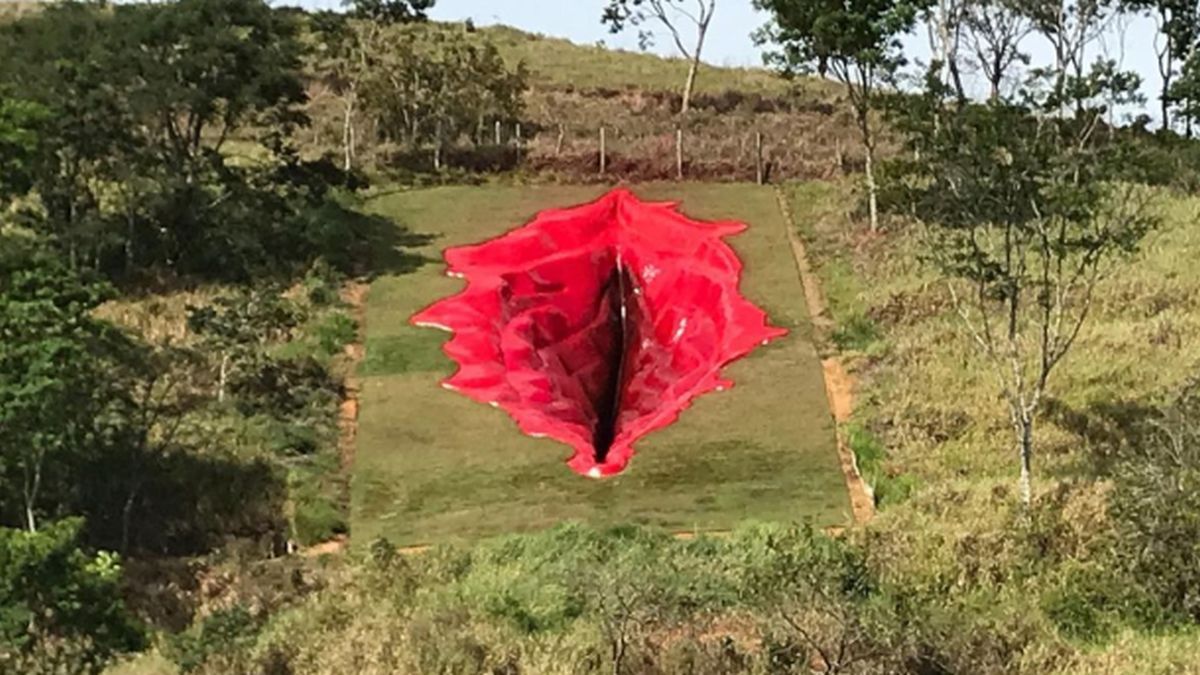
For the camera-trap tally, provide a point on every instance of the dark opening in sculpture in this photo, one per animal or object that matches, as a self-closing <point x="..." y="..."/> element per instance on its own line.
<point x="598" y="324"/>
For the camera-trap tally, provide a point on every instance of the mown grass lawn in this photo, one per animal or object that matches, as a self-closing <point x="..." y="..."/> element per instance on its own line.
<point x="432" y="465"/>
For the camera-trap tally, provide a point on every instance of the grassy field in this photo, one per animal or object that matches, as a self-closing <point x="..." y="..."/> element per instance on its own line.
<point x="924" y="389"/>
<point x="924" y="396"/>
<point x="432" y="465"/>
<point x="556" y="62"/>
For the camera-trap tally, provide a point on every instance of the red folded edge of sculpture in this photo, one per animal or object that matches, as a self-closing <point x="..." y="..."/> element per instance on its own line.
<point x="598" y="324"/>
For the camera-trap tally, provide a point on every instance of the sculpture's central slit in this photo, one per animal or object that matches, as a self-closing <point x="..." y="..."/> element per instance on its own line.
<point x="597" y="325"/>
<point x="617" y="290"/>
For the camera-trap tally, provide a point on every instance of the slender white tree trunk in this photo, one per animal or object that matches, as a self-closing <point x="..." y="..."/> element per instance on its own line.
<point x="222" y="377"/>
<point x="690" y="85"/>
<point x="1025" y="484"/>
<point x="872" y="188"/>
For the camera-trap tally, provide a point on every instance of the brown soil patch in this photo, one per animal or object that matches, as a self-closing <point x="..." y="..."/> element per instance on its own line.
<point x="839" y="385"/>
<point x="354" y="294"/>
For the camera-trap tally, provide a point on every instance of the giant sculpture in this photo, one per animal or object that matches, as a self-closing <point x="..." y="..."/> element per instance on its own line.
<point x="598" y="324"/>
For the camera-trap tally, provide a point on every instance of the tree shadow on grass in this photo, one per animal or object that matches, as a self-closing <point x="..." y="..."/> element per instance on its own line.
<point x="381" y="245"/>
<point x="1109" y="429"/>
<point x="184" y="503"/>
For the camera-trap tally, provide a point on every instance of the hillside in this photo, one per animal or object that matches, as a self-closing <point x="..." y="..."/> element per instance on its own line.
<point x="577" y="89"/>
<point x="253" y="463"/>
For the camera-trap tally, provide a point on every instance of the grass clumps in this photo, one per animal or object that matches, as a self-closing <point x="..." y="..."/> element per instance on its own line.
<point x="1102" y="558"/>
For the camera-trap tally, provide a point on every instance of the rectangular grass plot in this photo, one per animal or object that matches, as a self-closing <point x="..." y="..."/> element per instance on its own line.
<point x="432" y="465"/>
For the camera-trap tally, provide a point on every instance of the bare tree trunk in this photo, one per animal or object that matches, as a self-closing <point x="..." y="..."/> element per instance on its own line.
<point x="348" y="134"/>
<point x="872" y="188"/>
<point x="222" y="376"/>
<point x="1025" y="485"/>
<point x="690" y="85"/>
<point x="32" y="486"/>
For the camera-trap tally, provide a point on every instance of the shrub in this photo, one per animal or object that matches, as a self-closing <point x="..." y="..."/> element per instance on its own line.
<point x="870" y="454"/>
<point x="59" y="604"/>
<point x="335" y="332"/>
<point x="219" y="637"/>
<point x="1156" y="505"/>
<point x="857" y="333"/>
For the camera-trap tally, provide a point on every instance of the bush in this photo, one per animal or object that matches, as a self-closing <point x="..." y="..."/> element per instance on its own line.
<point x="218" y="638"/>
<point x="857" y="333"/>
<point x="1156" y="505"/>
<point x="870" y="454"/>
<point x="335" y="332"/>
<point x="285" y="389"/>
<point x="59" y="604"/>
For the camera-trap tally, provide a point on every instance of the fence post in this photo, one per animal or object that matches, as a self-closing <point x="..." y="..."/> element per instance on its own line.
<point x="603" y="151"/>
<point x="518" y="141"/>
<point x="562" y="133"/>
<point x="759" y="173"/>
<point x="498" y="139"/>
<point x="679" y="153"/>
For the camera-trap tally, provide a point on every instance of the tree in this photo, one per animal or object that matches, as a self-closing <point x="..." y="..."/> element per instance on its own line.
<point x="64" y="381"/>
<point x="433" y="85"/>
<point x="857" y="40"/>
<point x="671" y="14"/>
<point x="19" y="123"/>
<point x="1024" y="211"/>
<point x="821" y="593"/>
<point x="349" y="46"/>
<point x="1178" y="35"/>
<point x="995" y="30"/>
<point x="129" y="175"/>
<point x="390" y="11"/>
<point x="50" y="589"/>
<point x="236" y="326"/>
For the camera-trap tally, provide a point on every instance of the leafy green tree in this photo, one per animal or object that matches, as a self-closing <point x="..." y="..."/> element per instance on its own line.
<point x="52" y="590"/>
<point x="204" y="69"/>
<point x="390" y="11"/>
<point x="141" y="99"/>
<point x="64" y="381"/>
<point x="672" y="15"/>
<point x="858" y="41"/>
<point x="1024" y="210"/>
<point x="19" y="125"/>
<point x="1178" y="23"/>
<point x="434" y="85"/>
<point x="236" y="326"/>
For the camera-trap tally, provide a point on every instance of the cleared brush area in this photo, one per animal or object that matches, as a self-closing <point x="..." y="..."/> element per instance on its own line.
<point x="432" y="465"/>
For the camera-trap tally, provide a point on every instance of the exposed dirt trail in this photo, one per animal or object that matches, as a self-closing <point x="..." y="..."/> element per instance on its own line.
<point x="354" y="294"/>
<point x="839" y="385"/>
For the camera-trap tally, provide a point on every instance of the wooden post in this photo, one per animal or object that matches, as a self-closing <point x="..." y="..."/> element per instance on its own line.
<point x="759" y="169"/>
<point x="603" y="150"/>
<point x="679" y="153"/>
<point x="562" y="134"/>
<point x="498" y="139"/>
<point x="437" y="147"/>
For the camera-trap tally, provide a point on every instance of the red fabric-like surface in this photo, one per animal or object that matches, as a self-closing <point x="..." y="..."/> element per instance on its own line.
<point x="598" y="324"/>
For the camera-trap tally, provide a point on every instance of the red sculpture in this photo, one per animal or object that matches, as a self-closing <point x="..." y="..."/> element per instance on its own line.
<point x="598" y="324"/>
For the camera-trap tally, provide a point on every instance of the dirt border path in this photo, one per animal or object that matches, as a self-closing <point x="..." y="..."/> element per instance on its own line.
<point x="354" y="294"/>
<point x="839" y="385"/>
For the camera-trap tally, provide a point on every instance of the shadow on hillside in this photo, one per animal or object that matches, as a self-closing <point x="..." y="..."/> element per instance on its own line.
<point x="1109" y="429"/>
<point x="184" y="503"/>
<point x="385" y="246"/>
